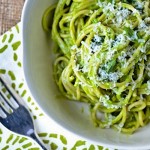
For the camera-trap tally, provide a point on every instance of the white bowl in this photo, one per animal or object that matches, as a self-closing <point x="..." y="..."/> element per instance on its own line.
<point x="38" y="57"/>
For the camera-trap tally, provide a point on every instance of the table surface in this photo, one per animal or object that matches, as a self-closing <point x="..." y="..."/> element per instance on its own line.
<point x="10" y="13"/>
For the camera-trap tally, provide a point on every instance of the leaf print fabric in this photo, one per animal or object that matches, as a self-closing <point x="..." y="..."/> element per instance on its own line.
<point x="53" y="136"/>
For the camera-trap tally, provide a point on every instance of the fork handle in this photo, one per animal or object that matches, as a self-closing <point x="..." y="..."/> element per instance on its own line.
<point x="34" y="137"/>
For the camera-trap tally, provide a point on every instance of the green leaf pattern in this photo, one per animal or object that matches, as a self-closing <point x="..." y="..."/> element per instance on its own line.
<point x="53" y="136"/>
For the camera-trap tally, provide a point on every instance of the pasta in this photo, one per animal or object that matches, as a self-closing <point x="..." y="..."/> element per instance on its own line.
<point x="103" y="58"/>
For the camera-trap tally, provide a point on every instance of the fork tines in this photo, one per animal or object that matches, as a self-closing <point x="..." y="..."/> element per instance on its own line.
<point x="8" y="101"/>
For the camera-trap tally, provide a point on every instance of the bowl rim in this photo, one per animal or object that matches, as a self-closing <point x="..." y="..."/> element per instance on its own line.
<point x="114" y="146"/>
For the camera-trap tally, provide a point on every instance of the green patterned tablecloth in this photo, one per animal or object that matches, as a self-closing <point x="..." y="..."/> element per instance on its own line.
<point x="53" y="136"/>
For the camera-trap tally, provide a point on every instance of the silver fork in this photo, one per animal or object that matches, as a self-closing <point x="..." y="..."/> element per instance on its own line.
<point x="14" y="114"/>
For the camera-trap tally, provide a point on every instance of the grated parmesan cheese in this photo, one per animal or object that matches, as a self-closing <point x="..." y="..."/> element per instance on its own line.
<point x="139" y="5"/>
<point x="76" y="68"/>
<point x="96" y="44"/>
<point x="143" y="49"/>
<point x="148" y="85"/>
<point x="86" y="45"/>
<point x="142" y="25"/>
<point x="110" y="53"/>
<point x="121" y="15"/>
<point x="74" y="47"/>
<point x="111" y="76"/>
<point x="96" y="26"/>
<point x="119" y="127"/>
<point x="147" y="19"/>
<point x="120" y="39"/>
<point x="105" y="100"/>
